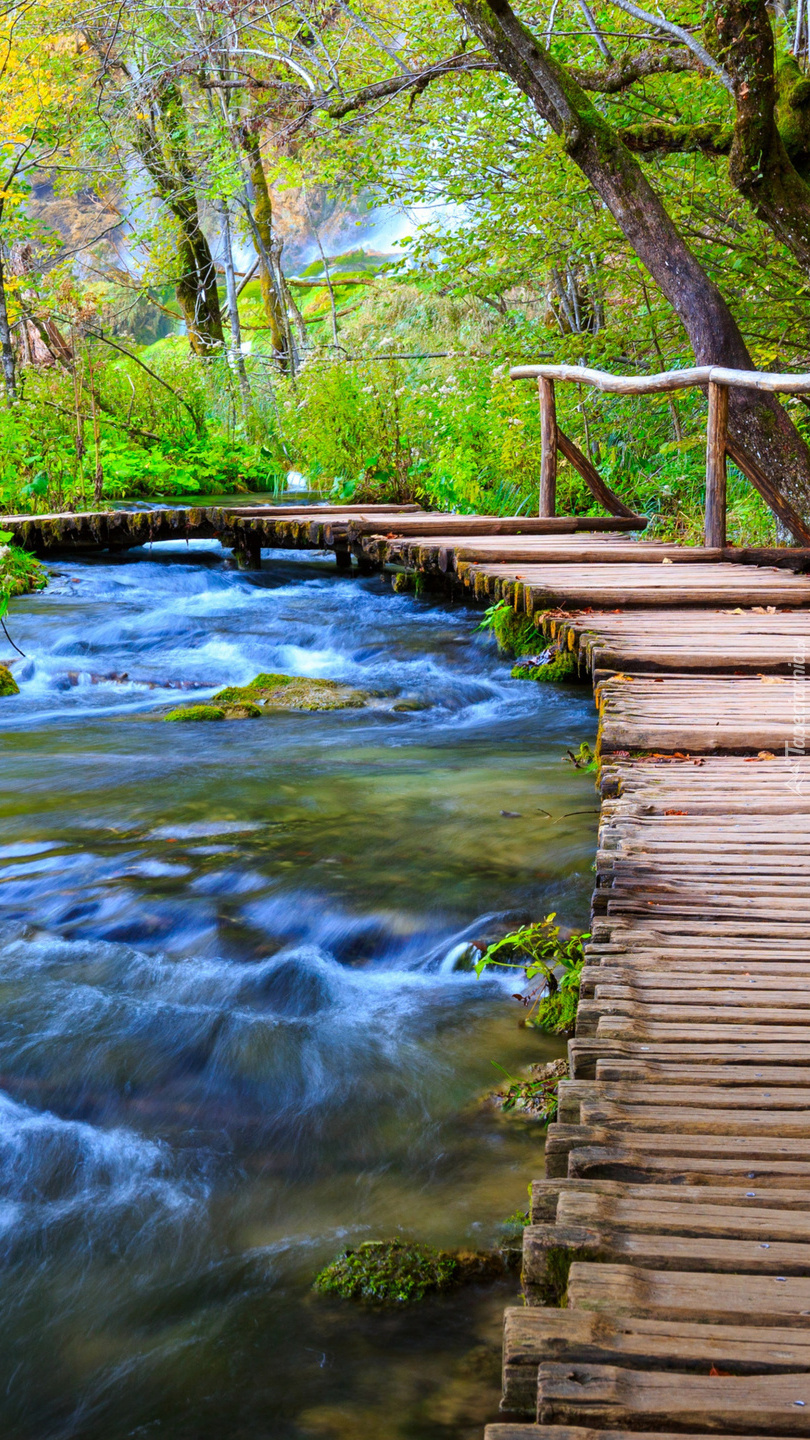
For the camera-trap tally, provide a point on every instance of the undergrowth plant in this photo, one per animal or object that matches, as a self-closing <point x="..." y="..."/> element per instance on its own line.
<point x="539" y="951"/>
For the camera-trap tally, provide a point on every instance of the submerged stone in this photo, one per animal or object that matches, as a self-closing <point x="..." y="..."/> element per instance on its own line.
<point x="393" y="1272"/>
<point x="291" y="692"/>
<point x="8" y="685"/>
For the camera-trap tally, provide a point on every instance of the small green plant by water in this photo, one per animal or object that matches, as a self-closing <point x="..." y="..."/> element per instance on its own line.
<point x="539" y="950"/>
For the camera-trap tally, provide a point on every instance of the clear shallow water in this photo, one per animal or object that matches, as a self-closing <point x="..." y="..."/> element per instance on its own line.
<point x="231" y="1038"/>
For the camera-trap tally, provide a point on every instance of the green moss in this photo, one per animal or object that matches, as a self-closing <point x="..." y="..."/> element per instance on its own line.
<point x="515" y="634"/>
<point x="196" y="712"/>
<point x="560" y="666"/>
<point x="394" y="1272"/>
<point x="554" y="1289"/>
<point x="290" y="692"/>
<point x="8" y="685"/>
<point x="388" y="1272"/>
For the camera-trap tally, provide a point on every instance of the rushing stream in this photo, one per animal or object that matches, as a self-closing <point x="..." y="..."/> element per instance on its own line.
<point x="232" y="1037"/>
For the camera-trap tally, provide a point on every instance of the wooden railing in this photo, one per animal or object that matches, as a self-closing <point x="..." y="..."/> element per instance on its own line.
<point x="719" y="444"/>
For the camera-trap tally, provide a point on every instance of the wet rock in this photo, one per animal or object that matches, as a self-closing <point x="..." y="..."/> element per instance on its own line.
<point x="393" y="1272"/>
<point x="292" y="692"/>
<point x="409" y="706"/>
<point x="8" y="685"/>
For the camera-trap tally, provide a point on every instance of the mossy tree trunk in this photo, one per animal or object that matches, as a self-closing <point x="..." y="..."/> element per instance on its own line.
<point x="740" y="35"/>
<point x="162" y="147"/>
<point x="262" y="216"/>
<point x="757" y="421"/>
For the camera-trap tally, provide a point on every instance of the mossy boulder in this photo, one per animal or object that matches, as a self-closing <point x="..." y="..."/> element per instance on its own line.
<point x="244" y="711"/>
<point x="291" y="692"/>
<point x="393" y="1272"/>
<point x="196" y="712"/>
<point x="8" y="685"/>
<point x="550" y="668"/>
<point x="20" y="572"/>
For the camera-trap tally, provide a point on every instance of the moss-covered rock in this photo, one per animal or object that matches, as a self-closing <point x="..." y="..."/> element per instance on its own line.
<point x="560" y="665"/>
<point x="8" y="685"/>
<point x="20" y="572"/>
<point x="196" y="712"/>
<point x="393" y="1272"/>
<point x="291" y="692"/>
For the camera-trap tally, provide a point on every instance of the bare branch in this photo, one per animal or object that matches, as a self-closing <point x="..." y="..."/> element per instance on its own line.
<point x="668" y="28"/>
<point x="627" y="71"/>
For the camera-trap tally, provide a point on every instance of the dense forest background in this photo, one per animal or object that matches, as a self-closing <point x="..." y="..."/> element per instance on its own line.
<point x="239" y="240"/>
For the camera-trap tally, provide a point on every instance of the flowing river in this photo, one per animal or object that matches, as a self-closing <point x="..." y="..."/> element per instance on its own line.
<point x="234" y="1039"/>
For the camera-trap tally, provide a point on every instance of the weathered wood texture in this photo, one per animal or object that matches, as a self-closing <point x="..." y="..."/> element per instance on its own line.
<point x="675" y="1219"/>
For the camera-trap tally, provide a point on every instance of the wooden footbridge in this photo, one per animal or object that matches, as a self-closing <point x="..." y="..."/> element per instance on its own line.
<point x="667" y="1265"/>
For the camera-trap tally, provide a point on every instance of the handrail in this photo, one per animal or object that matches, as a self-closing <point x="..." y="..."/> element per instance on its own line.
<point x="717" y="380"/>
<point x="665" y="379"/>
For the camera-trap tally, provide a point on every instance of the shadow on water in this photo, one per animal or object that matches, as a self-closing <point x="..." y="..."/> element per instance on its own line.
<point x="233" y="1039"/>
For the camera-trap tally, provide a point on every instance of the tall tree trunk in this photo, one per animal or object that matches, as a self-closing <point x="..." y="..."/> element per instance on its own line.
<point x="237" y="358"/>
<point x="741" y="36"/>
<point x="757" y="422"/>
<point x="6" y="348"/>
<point x="261" y="216"/>
<point x="170" y="169"/>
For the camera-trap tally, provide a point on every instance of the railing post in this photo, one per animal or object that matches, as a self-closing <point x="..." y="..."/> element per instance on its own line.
<point x="548" y="452"/>
<point x="716" y="430"/>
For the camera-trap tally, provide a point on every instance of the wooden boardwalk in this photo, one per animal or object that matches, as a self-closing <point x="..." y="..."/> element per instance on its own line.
<point x="667" y="1265"/>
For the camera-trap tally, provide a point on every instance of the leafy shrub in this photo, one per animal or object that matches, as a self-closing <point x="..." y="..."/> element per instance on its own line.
<point x="539" y="950"/>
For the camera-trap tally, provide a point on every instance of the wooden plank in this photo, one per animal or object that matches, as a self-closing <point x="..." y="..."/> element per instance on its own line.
<point x="749" y="1195"/>
<point x="606" y="1395"/>
<point x="510" y="1431"/>
<point x="545" y="1245"/>
<point x="538" y="1335"/>
<point x="670" y="1216"/>
<point x="750" y="1300"/>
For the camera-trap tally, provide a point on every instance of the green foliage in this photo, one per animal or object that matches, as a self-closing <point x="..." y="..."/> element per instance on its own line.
<point x="539" y="950"/>
<point x="8" y="685"/>
<point x="583" y="758"/>
<point x="20" y="572"/>
<point x="389" y="1272"/>
<point x="515" y="634"/>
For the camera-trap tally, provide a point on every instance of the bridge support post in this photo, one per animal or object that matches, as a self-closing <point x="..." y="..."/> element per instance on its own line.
<point x="716" y="433"/>
<point x="548" y="453"/>
<point x="248" y="550"/>
<point x="343" y="555"/>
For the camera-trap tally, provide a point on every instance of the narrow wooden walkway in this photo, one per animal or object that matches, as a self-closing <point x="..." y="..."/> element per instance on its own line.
<point x="667" y="1265"/>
